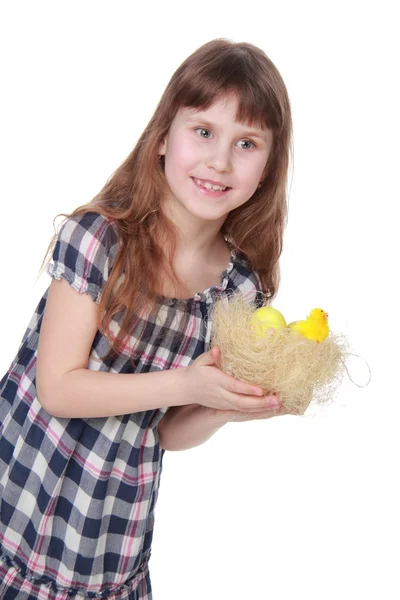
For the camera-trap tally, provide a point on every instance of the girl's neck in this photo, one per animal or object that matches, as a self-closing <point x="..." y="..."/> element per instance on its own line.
<point x="195" y="237"/>
<point x="201" y="254"/>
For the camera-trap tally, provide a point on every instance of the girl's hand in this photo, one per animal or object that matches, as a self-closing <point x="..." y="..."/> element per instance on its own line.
<point x="235" y="415"/>
<point x="207" y="385"/>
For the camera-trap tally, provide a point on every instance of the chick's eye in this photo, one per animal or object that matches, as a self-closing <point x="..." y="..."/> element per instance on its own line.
<point x="203" y="132"/>
<point x="249" y="144"/>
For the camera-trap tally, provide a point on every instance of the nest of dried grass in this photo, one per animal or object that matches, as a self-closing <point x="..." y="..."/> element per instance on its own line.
<point x="298" y="370"/>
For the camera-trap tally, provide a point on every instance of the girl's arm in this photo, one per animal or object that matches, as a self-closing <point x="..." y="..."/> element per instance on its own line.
<point x="67" y="388"/>
<point x="184" y="427"/>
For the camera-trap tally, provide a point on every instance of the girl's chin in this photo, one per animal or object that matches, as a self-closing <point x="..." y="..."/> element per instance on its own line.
<point x="205" y="212"/>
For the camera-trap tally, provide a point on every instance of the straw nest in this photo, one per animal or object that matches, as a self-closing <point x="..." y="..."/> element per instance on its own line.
<point x="297" y="369"/>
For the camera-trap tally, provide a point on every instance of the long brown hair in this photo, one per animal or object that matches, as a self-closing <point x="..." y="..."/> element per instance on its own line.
<point x="132" y="195"/>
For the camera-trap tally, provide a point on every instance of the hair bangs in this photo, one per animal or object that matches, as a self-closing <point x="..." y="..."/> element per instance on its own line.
<point x="231" y="70"/>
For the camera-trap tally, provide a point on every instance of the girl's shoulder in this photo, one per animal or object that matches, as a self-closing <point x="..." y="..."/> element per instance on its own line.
<point x="88" y="228"/>
<point x="84" y="252"/>
<point x="244" y="275"/>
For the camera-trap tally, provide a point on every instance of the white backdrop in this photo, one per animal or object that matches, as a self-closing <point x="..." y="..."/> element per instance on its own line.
<point x="285" y="508"/>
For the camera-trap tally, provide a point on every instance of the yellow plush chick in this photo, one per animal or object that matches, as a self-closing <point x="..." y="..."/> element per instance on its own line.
<point x="266" y="318"/>
<point x="315" y="327"/>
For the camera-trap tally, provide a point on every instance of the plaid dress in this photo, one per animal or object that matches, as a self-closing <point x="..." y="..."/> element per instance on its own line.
<point x="77" y="496"/>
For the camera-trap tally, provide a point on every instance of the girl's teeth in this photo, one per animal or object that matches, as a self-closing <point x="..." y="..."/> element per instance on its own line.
<point x="209" y="186"/>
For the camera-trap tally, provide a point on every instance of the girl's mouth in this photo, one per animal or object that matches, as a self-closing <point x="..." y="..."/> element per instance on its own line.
<point x="208" y="188"/>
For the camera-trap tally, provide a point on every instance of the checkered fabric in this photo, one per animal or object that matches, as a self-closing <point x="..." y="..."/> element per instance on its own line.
<point x="78" y="495"/>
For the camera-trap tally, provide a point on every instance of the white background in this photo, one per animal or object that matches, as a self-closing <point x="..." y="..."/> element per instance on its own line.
<point x="290" y="507"/>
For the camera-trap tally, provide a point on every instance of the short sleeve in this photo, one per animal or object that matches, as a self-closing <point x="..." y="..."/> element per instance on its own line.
<point x="85" y="248"/>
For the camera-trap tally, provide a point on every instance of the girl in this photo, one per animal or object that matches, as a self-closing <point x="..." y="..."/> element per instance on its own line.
<point x="115" y="366"/>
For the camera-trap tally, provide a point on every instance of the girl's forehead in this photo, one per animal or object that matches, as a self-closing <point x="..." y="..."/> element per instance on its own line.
<point x="220" y="104"/>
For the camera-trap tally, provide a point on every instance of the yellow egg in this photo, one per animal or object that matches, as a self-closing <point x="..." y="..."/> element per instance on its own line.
<point x="266" y="318"/>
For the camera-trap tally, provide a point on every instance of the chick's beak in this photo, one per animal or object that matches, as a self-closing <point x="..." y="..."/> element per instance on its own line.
<point x="326" y="316"/>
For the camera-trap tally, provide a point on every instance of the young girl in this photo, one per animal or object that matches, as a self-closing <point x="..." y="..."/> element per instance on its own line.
<point x="115" y="365"/>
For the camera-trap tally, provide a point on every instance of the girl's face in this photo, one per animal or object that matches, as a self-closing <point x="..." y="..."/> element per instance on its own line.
<point x="212" y="163"/>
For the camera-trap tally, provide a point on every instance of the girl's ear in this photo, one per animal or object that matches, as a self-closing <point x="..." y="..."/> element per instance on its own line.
<point x="162" y="147"/>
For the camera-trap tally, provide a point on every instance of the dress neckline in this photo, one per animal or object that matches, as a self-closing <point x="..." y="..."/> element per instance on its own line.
<point x="208" y="295"/>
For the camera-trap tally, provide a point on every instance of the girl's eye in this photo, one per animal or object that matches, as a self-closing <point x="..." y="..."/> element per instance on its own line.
<point x="203" y="131"/>
<point x="252" y="145"/>
<point x="206" y="133"/>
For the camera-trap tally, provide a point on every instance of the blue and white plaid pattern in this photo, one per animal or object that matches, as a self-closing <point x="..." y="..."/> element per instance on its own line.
<point x="78" y="495"/>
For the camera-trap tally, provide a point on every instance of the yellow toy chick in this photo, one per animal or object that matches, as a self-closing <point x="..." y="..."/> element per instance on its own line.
<point x="315" y="327"/>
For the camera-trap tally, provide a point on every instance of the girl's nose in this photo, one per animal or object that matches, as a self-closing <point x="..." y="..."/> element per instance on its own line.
<point x="219" y="159"/>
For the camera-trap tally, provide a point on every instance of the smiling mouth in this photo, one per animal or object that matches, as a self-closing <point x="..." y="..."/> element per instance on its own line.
<point x="209" y="186"/>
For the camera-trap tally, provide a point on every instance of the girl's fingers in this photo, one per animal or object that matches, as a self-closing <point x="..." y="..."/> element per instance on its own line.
<point x="241" y="387"/>
<point x="208" y="359"/>
<point x="253" y="404"/>
<point x="236" y="415"/>
<point x="215" y="353"/>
